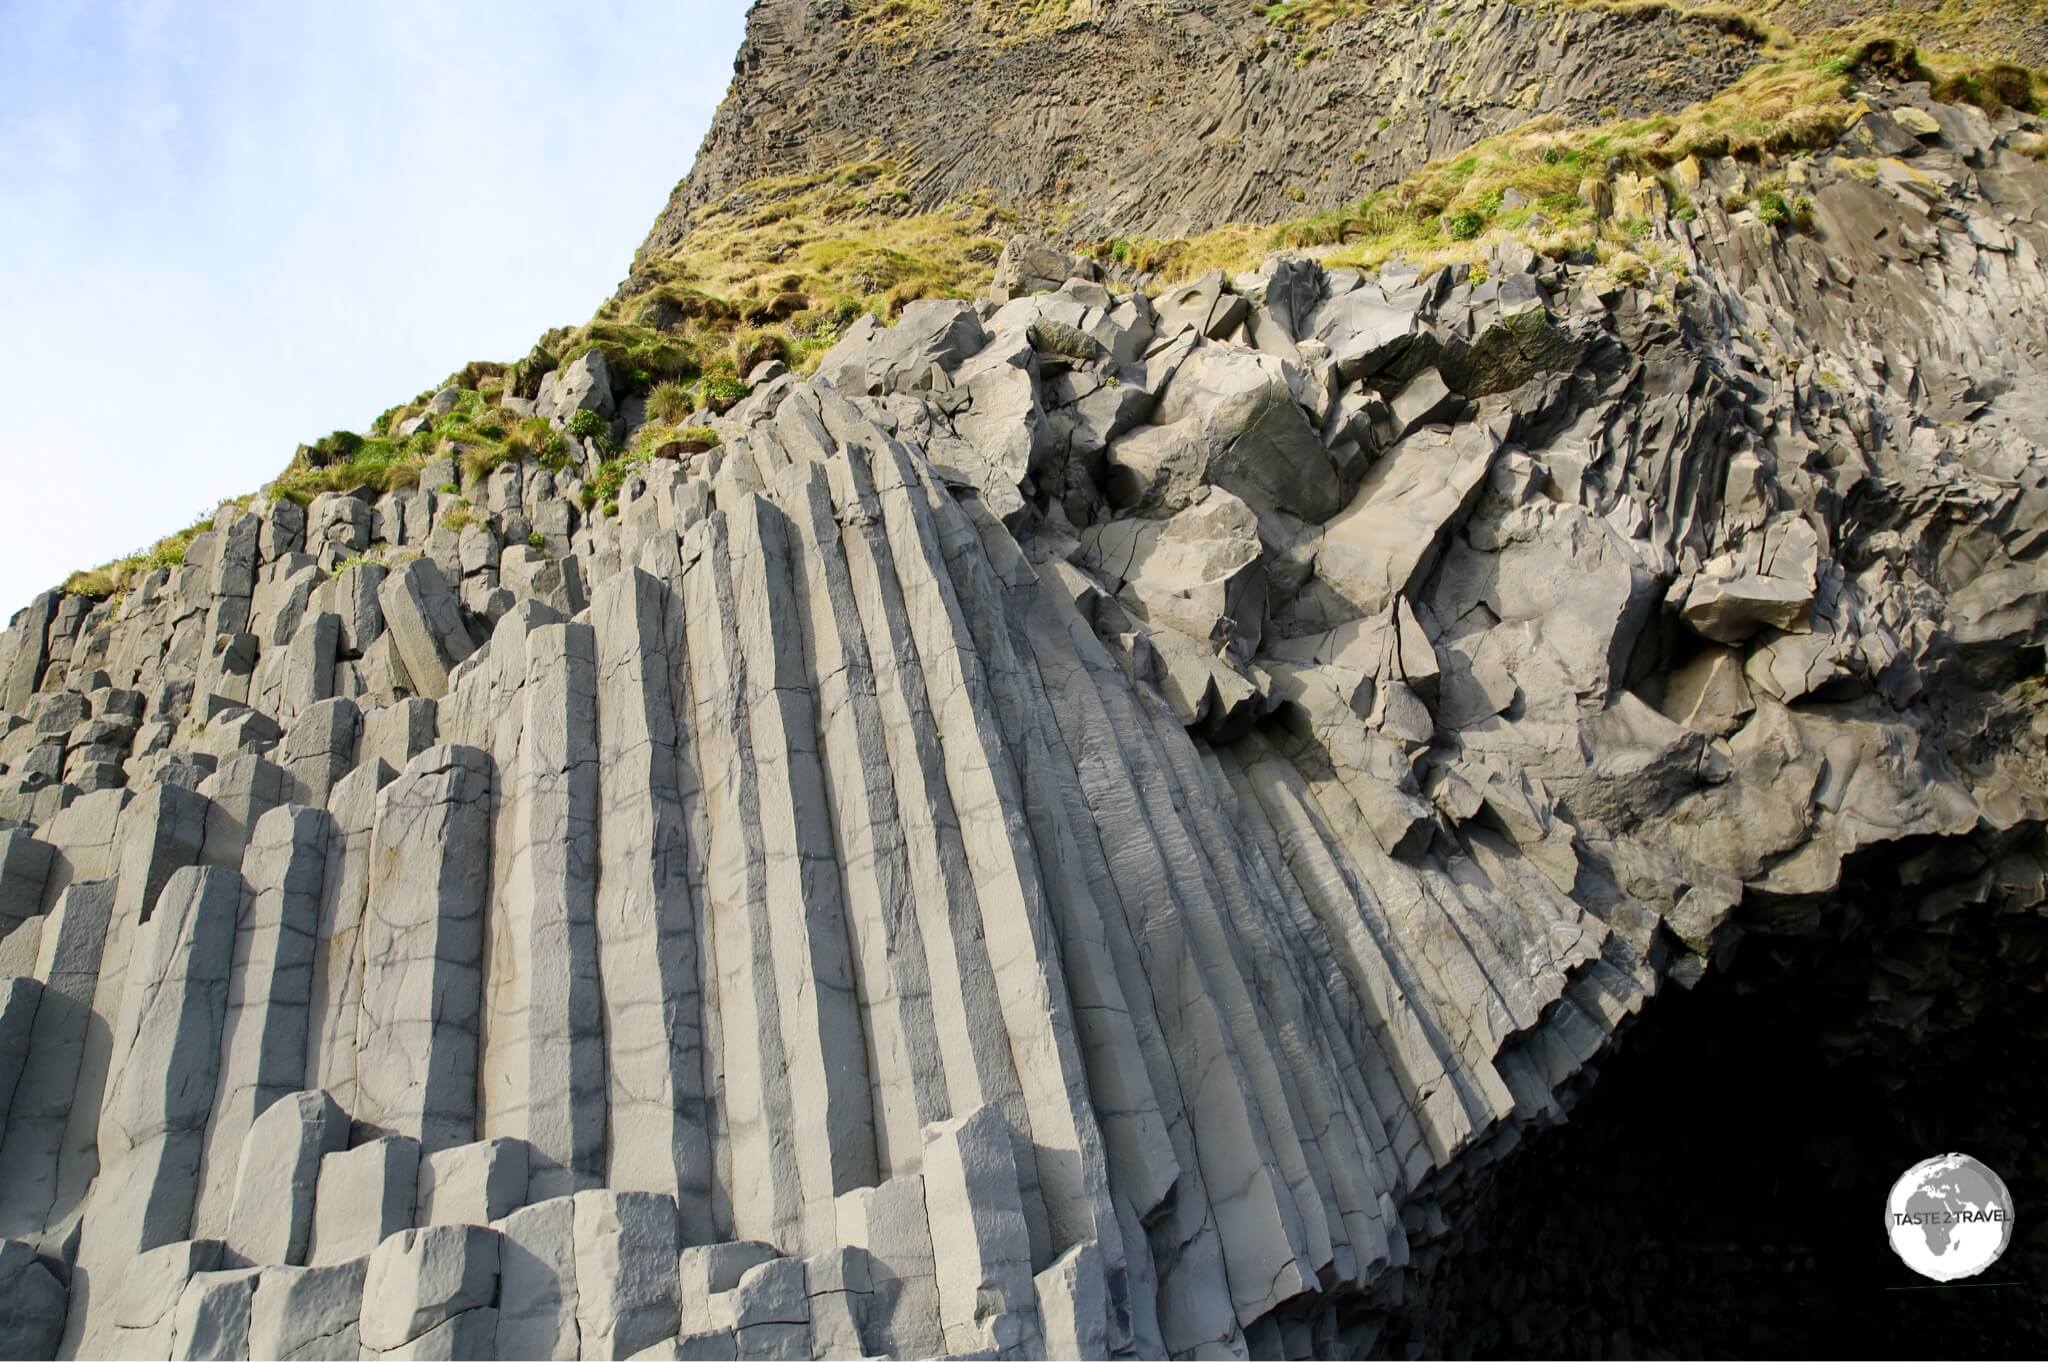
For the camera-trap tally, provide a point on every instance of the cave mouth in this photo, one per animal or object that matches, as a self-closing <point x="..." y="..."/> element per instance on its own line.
<point x="1720" y="1190"/>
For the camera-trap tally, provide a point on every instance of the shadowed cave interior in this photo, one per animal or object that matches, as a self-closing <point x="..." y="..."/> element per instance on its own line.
<point x="1719" y="1191"/>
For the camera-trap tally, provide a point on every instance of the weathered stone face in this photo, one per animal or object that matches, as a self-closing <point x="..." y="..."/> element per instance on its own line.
<point x="1079" y="830"/>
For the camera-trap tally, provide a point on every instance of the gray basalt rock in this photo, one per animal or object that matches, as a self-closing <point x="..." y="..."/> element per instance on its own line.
<point x="419" y="1280"/>
<point x="363" y="1196"/>
<point x="1197" y="572"/>
<point x="1257" y="440"/>
<point x="422" y="941"/>
<point x="32" y="1300"/>
<point x="901" y="358"/>
<point x="1384" y="543"/>
<point x="626" y="1276"/>
<point x="308" y="1312"/>
<point x="583" y="384"/>
<point x="425" y="624"/>
<point x="1027" y="266"/>
<point x="272" y="1217"/>
<point x="1088" y="826"/>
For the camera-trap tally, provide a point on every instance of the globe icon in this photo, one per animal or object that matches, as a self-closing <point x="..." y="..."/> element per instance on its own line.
<point x="1948" y="1217"/>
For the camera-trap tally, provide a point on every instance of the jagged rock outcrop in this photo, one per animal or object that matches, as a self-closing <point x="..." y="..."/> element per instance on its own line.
<point x="1084" y="827"/>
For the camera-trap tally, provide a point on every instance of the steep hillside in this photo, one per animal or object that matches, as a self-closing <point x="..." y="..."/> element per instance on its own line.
<point x="1209" y="801"/>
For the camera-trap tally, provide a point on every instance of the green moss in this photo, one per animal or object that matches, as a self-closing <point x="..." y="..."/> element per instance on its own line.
<point x="666" y="440"/>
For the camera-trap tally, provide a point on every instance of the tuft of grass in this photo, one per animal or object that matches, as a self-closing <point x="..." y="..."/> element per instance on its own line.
<point x="669" y="441"/>
<point x="909" y="25"/>
<point x="798" y="258"/>
<point x="117" y="578"/>
<point x="1308" y="17"/>
<point x="668" y="403"/>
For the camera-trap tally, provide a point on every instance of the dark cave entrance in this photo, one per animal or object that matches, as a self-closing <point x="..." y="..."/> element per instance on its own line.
<point x="1720" y="1191"/>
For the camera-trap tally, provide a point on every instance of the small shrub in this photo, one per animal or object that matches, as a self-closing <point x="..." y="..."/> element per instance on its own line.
<point x="536" y="540"/>
<point x="339" y="447"/>
<point x="602" y="491"/>
<point x="588" y="425"/>
<point x="1626" y="267"/>
<point x="1464" y="226"/>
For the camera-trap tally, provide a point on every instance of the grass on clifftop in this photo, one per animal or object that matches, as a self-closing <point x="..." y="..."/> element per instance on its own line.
<point x="1553" y="184"/>
<point x="914" y="23"/>
<point x="778" y="267"/>
<point x="115" y="578"/>
<point x="1983" y="30"/>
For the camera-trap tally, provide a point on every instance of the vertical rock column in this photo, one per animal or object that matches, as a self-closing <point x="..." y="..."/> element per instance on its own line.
<point x="263" y="1043"/>
<point x="759" y="1170"/>
<point x="821" y="1016"/>
<point x="24" y="873"/>
<point x="153" y="1126"/>
<point x="647" y="922"/>
<point x="416" y="1038"/>
<point x="944" y="923"/>
<point x="159" y="833"/>
<point x="908" y="1070"/>
<point x="1065" y="1196"/>
<point x="68" y="969"/>
<point x="337" y="988"/>
<point x="544" y="1061"/>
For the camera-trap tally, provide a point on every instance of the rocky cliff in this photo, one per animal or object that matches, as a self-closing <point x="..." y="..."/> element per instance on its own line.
<point x="1163" y="117"/>
<point x="1092" y="822"/>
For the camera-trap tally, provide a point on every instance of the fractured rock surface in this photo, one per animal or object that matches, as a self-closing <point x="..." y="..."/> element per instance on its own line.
<point x="1085" y="827"/>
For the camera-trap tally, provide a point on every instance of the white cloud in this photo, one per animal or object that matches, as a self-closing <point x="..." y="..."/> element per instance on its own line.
<point x="227" y="230"/>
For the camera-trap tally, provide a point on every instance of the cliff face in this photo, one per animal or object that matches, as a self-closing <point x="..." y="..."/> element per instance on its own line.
<point x="1139" y="118"/>
<point x="1091" y="823"/>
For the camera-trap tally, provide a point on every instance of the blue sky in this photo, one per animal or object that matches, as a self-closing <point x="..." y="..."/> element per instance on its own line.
<point x="228" y="228"/>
